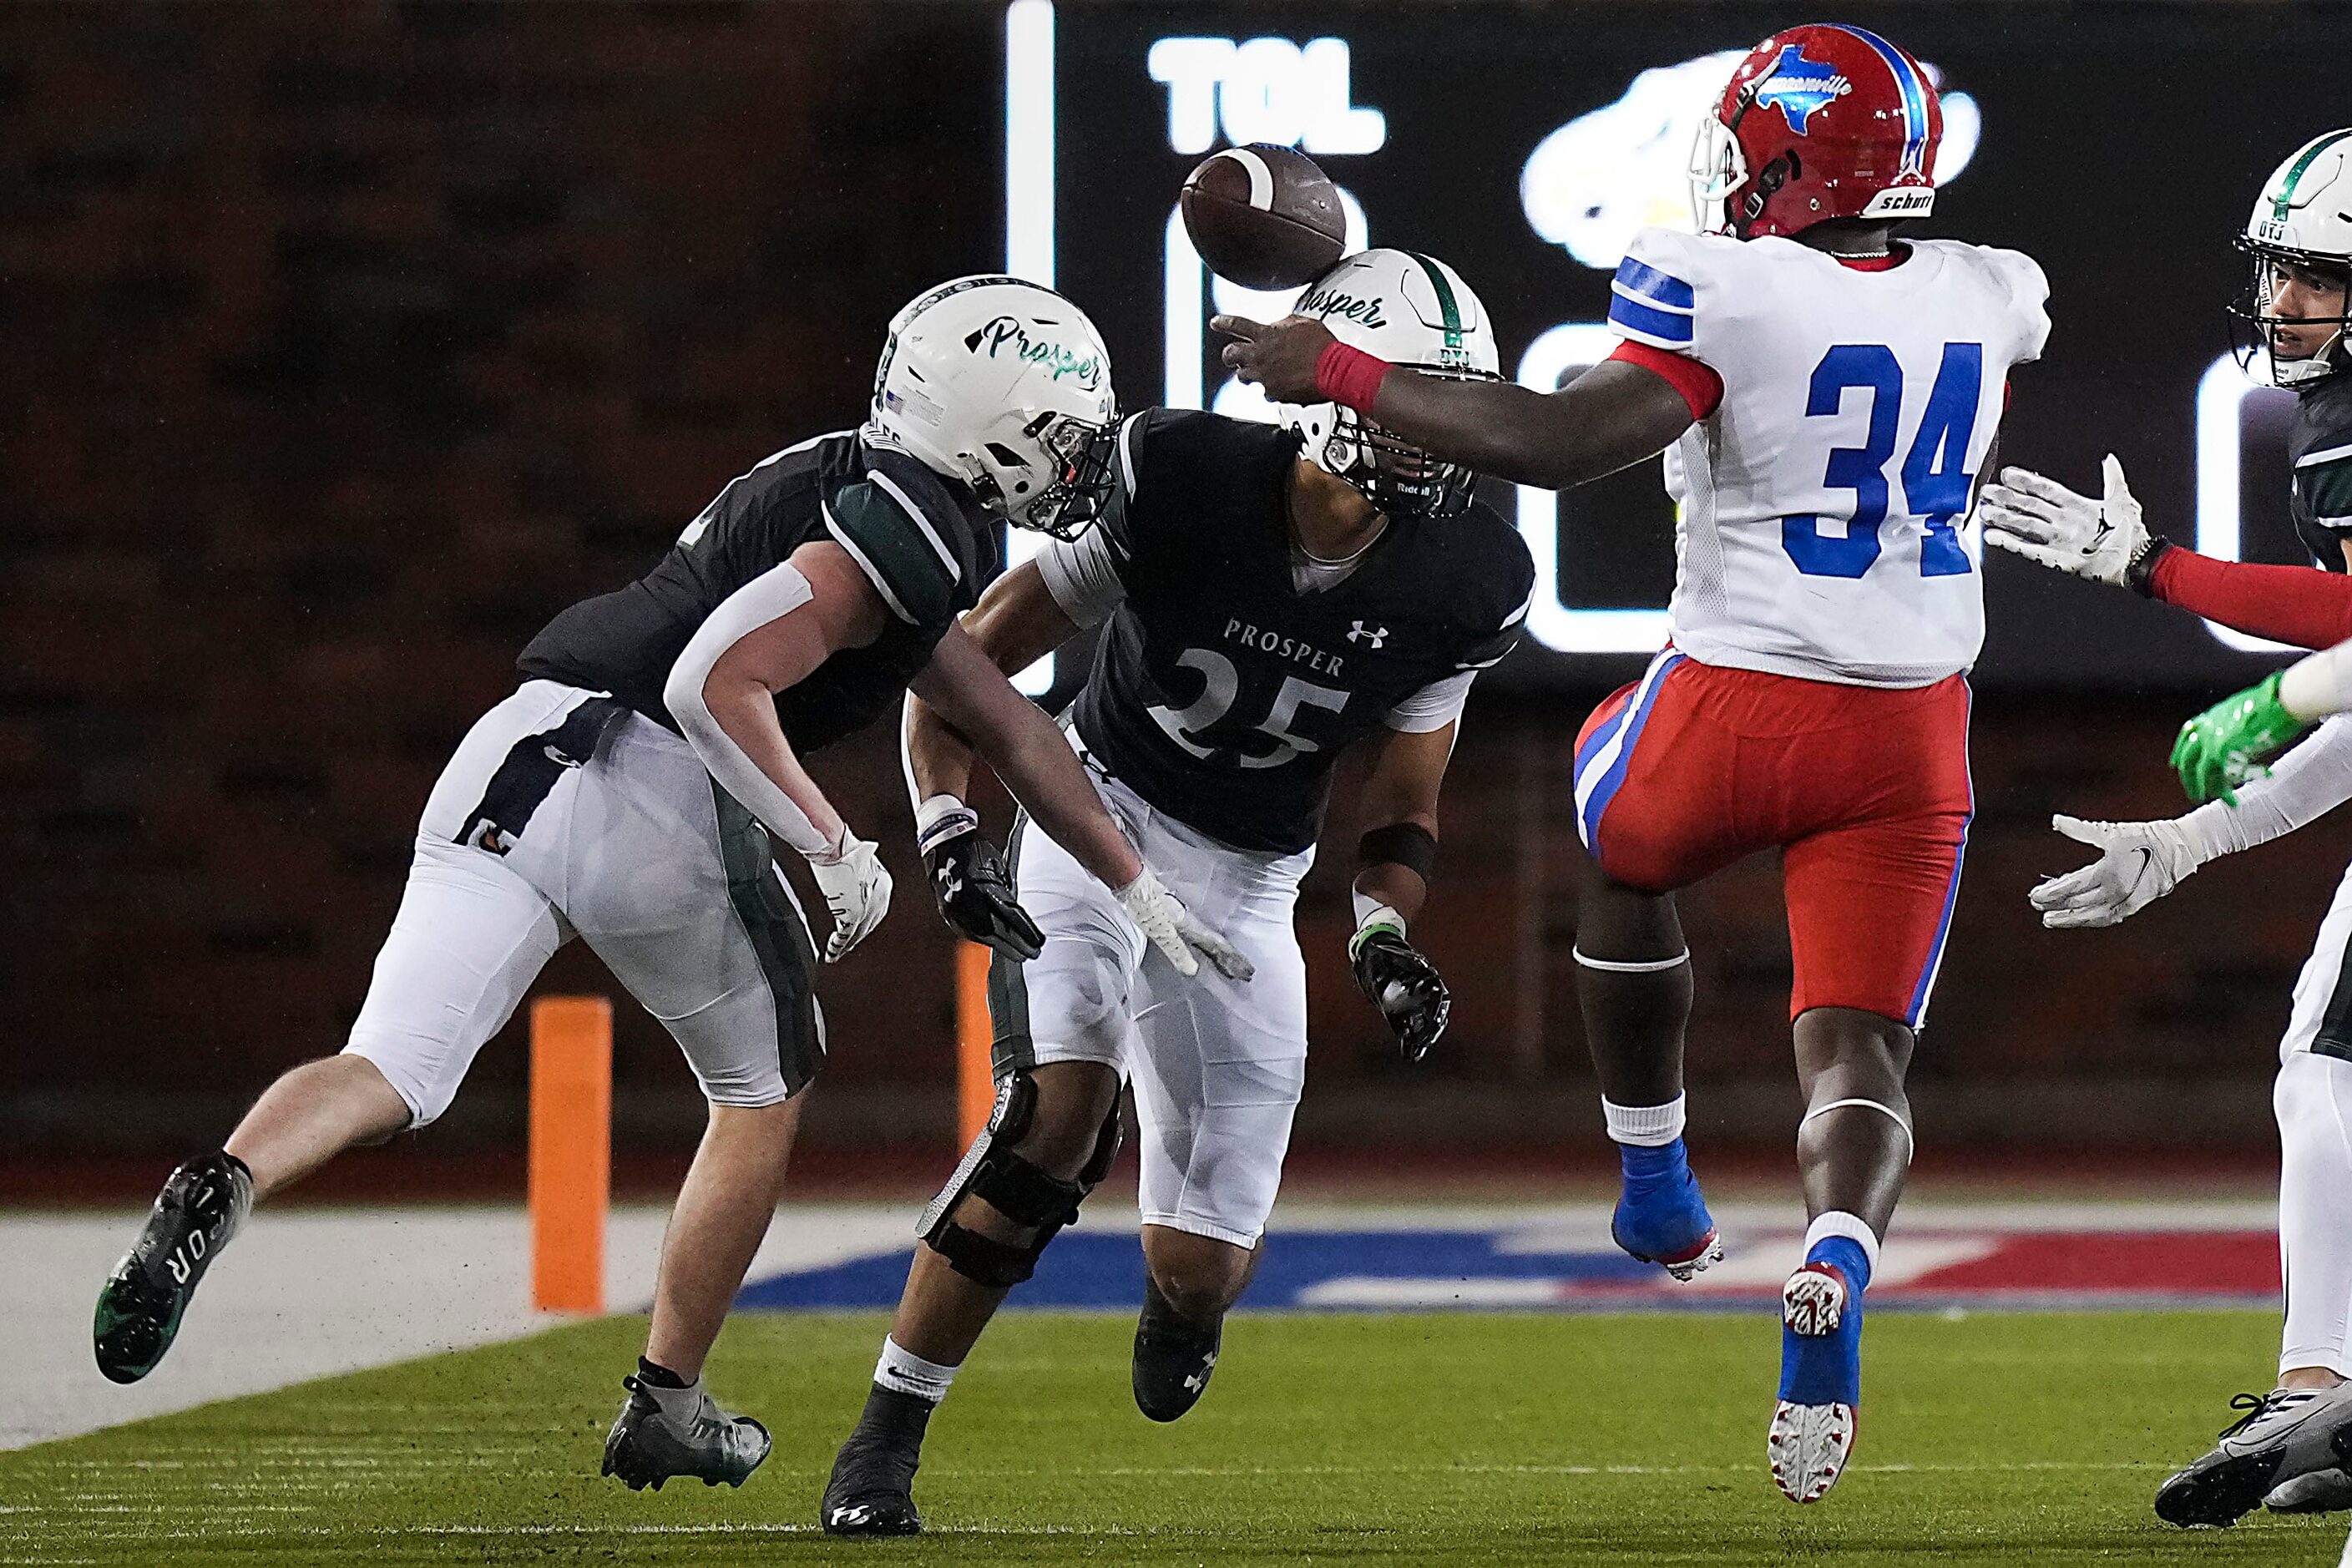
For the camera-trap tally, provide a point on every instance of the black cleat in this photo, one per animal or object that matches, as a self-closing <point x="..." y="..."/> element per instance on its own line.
<point x="872" y="1488"/>
<point x="1174" y="1357"/>
<point x="141" y="1305"/>
<point x="2253" y="1456"/>
<point x="666" y="1432"/>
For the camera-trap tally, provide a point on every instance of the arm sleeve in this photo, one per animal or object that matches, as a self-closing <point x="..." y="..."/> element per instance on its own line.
<point x="1698" y="383"/>
<point x="1082" y="574"/>
<point x="2324" y="478"/>
<point x="1654" y="299"/>
<point x="769" y="597"/>
<point x="1434" y="706"/>
<point x="2028" y="288"/>
<point x="1488" y="650"/>
<point x="2298" y="604"/>
<point x="2309" y="782"/>
<point x="902" y="551"/>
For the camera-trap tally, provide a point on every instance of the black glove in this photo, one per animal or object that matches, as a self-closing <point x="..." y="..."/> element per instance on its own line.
<point x="975" y="896"/>
<point x="1395" y="978"/>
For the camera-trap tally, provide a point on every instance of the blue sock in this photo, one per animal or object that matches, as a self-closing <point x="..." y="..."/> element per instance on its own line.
<point x="1847" y="1255"/>
<point x="1827" y="1370"/>
<point x="1650" y="1167"/>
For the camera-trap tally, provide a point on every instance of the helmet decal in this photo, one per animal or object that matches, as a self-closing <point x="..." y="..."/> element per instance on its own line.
<point x="2283" y="203"/>
<point x="1914" y="94"/>
<point x="1449" y="313"/>
<point x="1797" y="87"/>
<point x="1323" y="304"/>
<point x="1007" y="332"/>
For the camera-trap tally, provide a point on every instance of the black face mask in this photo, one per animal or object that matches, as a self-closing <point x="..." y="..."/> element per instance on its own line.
<point x="2252" y="322"/>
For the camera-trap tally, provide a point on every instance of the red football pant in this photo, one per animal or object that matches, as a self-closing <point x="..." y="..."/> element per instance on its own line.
<point x="1864" y="790"/>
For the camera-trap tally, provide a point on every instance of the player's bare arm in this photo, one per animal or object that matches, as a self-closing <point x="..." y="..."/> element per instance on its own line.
<point x="1397" y="854"/>
<point x="1015" y="624"/>
<point x="1611" y="416"/>
<point x="770" y="635"/>
<point x="967" y="691"/>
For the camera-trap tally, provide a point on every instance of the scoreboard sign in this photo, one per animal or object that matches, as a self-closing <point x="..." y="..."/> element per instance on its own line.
<point x="1525" y="146"/>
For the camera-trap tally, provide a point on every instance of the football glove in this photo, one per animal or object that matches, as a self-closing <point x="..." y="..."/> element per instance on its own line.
<point x="1394" y="977"/>
<point x="2043" y="521"/>
<point x="2138" y="863"/>
<point x="1169" y="926"/>
<point x="975" y="896"/>
<point x="2222" y="748"/>
<point x="856" y="889"/>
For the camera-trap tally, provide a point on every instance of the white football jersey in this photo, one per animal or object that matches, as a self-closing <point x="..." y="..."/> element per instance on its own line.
<point x="1823" y="507"/>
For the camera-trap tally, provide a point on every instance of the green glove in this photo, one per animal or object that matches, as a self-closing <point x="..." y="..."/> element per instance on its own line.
<point x="2217" y="750"/>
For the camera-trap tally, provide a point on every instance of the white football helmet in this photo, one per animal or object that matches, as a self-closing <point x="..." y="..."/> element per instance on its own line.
<point x="1005" y="387"/>
<point x="1407" y="308"/>
<point x="2304" y="217"/>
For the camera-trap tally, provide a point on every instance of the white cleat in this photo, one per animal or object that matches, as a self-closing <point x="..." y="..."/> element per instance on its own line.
<point x="1813" y="1303"/>
<point x="1808" y="1446"/>
<point x="1712" y="1252"/>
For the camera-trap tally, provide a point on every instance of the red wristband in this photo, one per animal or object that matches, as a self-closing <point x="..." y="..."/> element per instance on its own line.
<point x="1351" y="376"/>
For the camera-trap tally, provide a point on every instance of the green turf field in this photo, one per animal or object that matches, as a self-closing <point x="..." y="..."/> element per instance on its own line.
<point x="1458" y="1439"/>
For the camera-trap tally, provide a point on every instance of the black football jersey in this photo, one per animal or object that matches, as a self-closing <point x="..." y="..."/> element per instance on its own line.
<point x="2320" y="445"/>
<point x="926" y="546"/>
<point x="1220" y="692"/>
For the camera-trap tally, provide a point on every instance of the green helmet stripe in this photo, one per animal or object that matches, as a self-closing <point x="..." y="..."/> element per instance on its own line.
<point x="1445" y="305"/>
<point x="2284" y="202"/>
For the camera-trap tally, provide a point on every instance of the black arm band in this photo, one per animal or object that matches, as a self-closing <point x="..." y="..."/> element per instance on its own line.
<point x="1406" y="843"/>
<point x="2139" y="575"/>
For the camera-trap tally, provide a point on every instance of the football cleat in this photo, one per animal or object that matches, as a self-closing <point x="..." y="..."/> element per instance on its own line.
<point x="2284" y="1436"/>
<point x="663" y="1433"/>
<point x="139" y="1307"/>
<point x="1667" y="1224"/>
<point x="1811" y="1440"/>
<point x="1174" y="1356"/>
<point x="2314" y="1491"/>
<point x="872" y="1489"/>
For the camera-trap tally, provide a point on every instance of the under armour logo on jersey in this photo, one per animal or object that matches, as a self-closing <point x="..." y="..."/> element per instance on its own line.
<point x="1358" y="632"/>
<point x="1797" y="87"/>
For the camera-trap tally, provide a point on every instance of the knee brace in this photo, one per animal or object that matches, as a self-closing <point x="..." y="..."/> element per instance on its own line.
<point x="1017" y="1188"/>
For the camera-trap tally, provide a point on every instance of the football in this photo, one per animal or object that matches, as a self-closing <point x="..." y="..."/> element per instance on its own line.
<point x="1264" y="216"/>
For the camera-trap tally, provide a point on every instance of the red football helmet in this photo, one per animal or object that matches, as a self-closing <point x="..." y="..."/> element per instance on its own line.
<point x="1819" y="122"/>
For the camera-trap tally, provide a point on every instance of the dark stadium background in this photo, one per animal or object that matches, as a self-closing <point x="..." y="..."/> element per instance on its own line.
<point x="344" y="343"/>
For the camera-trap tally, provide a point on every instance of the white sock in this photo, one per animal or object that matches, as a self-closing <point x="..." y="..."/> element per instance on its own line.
<point x="903" y="1372"/>
<point x="1649" y="1126"/>
<point x="1852" y="1227"/>
<point x="2313" y="1101"/>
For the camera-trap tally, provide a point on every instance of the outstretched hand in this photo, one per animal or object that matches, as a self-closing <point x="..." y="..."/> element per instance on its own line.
<point x="1279" y="356"/>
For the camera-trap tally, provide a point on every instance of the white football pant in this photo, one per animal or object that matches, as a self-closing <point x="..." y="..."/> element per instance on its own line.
<point x="1217" y="1064"/>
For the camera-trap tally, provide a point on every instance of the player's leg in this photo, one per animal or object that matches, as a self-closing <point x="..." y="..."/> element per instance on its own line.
<point x="675" y="886"/>
<point x="471" y="934"/>
<point x="1652" y="771"/>
<point x="2279" y="1451"/>
<point x="1218" y="1068"/>
<point x="1061" y="1036"/>
<point x="1869" y="909"/>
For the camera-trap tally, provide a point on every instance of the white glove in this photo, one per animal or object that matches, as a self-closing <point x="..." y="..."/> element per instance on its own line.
<point x="2045" y="521"/>
<point x="856" y="889"/>
<point x="1172" y="929"/>
<point x="2138" y="863"/>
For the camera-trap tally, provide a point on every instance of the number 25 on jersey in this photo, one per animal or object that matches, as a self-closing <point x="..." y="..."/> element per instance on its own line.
<point x="1936" y="480"/>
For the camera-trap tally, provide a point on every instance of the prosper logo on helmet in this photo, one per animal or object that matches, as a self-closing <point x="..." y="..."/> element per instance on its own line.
<point x="994" y="337"/>
<point x="1326" y="303"/>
